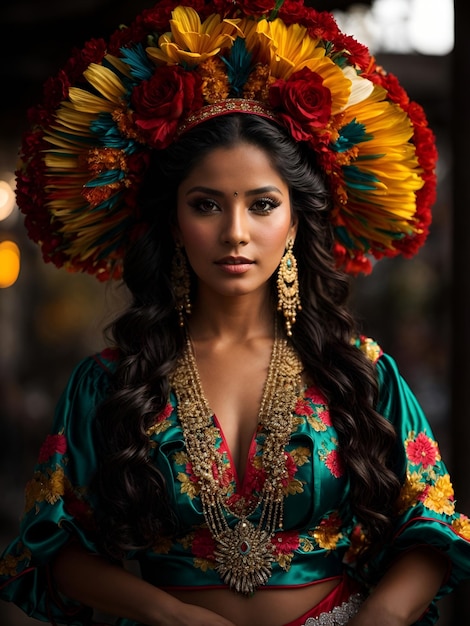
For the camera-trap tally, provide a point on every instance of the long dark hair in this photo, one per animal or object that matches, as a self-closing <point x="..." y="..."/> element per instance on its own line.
<point x="130" y="490"/>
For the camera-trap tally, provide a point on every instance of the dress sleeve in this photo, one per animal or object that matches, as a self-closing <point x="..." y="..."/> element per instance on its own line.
<point x="57" y="503"/>
<point x="426" y="512"/>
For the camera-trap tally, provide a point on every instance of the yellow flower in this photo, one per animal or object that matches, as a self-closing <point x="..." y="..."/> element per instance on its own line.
<point x="410" y="492"/>
<point x="327" y="538"/>
<point x="191" y="41"/>
<point x="300" y="455"/>
<point x="203" y="564"/>
<point x="294" y="486"/>
<point x="257" y="85"/>
<point x="461" y="525"/>
<point x="440" y="496"/>
<point x="285" y="560"/>
<point x="214" y="80"/>
<point x="391" y="166"/>
<point x="187" y="486"/>
<point x="287" y="49"/>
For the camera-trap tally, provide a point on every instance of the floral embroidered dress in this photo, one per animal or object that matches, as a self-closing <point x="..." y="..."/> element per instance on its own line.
<point x="319" y="537"/>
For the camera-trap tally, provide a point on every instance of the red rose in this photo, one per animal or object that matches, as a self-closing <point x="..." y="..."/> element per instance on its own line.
<point x="258" y="7"/>
<point x="304" y="103"/>
<point x="163" y="101"/>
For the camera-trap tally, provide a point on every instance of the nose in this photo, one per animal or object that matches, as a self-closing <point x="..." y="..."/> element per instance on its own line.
<point x="235" y="229"/>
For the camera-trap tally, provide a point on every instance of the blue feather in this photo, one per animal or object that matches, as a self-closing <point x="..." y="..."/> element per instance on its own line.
<point x="238" y="66"/>
<point x="350" y="135"/>
<point x="140" y="66"/>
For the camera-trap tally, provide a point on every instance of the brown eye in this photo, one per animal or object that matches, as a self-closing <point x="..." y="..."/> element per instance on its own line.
<point x="264" y="205"/>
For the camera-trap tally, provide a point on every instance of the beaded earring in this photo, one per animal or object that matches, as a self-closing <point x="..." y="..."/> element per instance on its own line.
<point x="181" y="283"/>
<point x="288" y="287"/>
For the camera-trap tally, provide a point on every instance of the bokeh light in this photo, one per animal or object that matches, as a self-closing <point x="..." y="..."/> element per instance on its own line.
<point x="7" y="200"/>
<point x="9" y="263"/>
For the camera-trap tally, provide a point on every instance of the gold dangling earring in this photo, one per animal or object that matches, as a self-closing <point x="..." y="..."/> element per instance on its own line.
<point x="181" y="283"/>
<point x="288" y="287"/>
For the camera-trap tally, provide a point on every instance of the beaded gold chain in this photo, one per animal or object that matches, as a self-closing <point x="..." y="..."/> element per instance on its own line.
<point x="243" y="552"/>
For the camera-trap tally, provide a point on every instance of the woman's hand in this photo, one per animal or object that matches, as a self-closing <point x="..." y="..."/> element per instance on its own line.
<point x="405" y="591"/>
<point x="95" y="582"/>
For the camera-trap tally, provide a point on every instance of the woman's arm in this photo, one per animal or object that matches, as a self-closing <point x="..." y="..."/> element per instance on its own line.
<point x="95" y="582"/>
<point x="405" y="591"/>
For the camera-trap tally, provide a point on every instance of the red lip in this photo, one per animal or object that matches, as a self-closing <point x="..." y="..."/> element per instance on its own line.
<point x="234" y="260"/>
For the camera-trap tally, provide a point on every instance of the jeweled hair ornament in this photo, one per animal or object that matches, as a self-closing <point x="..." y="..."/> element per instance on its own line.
<point x="174" y="67"/>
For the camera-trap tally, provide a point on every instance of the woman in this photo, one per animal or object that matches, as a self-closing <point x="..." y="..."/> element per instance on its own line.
<point x="259" y="459"/>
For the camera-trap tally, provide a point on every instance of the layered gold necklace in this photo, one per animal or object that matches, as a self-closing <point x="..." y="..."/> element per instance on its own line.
<point x="244" y="551"/>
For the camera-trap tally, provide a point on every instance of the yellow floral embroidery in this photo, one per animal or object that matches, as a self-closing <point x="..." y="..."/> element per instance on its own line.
<point x="294" y="486"/>
<point x="187" y="485"/>
<point x="328" y="533"/>
<point x="162" y="545"/>
<point x="300" y="455"/>
<point x="440" y="496"/>
<point x="203" y="564"/>
<point x="180" y="458"/>
<point x="306" y="545"/>
<point x="157" y="429"/>
<point x="410" y="492"/>
<point x="327" y="538"/>
<point x="285" y="560"/>
<point x="187" y="541"/>
<point x="46" y="486"/>
<point x="316" y="423"/>
<point x="9" y="564"/>
<point x="461" y="525"/>
<point x="369" y="347"/>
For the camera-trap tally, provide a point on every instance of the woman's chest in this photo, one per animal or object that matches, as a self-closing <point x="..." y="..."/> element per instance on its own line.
<point x="313" y="482"/>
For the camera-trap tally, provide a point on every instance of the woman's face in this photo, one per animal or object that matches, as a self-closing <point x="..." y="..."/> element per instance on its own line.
<point x="234" y="220"/>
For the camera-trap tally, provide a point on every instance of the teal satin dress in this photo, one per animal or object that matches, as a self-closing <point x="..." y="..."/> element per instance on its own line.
<point x="320" y="536"/>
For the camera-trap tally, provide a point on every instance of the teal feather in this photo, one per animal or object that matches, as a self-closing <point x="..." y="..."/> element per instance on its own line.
<point x="359" y="179"/>
<point x="139" y="64"/>
<point x="238" y="66"/>
<point x="350" y="135"/>
<point x="105" y="178"/>
<point x="109" y="136"/>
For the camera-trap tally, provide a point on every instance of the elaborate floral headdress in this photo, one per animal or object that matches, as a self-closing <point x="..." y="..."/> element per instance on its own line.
<point x="177" y="65"/>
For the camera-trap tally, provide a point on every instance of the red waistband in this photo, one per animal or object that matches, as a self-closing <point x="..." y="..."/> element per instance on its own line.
<point x="341" y="593"/>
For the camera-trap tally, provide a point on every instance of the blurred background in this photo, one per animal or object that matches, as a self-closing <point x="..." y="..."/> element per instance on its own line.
<point x="418" y="310"/>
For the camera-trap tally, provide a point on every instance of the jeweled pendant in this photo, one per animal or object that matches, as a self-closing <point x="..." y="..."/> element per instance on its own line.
<point x="244" y="556"/>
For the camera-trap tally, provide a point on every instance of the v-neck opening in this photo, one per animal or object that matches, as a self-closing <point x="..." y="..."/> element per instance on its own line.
<point x="239" y="484"/>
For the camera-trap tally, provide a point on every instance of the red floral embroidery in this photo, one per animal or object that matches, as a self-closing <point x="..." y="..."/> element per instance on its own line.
<point x="165" y="414"/>
<point x="423" y="450"/>
<point x="303" y="407"/>
<point x="334" y="463"/>
<point x="321" y="407"/>
<point x="53" y="444"/>
<point x="291" y="467"/>
<point x="203" y="544"/>
<point x="285" y="542"/>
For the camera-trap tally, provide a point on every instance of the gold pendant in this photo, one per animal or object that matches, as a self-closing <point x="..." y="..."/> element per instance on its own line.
<point x="244" y="556"/>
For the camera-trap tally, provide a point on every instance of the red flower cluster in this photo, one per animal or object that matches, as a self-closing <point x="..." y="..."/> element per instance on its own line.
<point x="53" y="444"/>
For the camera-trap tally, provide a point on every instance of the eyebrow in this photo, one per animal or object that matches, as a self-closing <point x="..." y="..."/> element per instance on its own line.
<point x="249" y="192"/>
